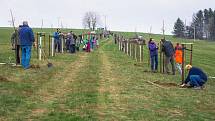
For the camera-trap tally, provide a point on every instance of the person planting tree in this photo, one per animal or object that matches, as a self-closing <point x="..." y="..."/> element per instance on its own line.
<point x="168" y="49"/>
<point x="196" y="77"/>
<point x="153" y="55"/>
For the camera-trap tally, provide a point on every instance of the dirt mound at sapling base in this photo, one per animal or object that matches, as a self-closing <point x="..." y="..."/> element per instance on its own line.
<point x="3" y="79"/>
<point x="166" y="84"/>
<point x="35" y="66"/>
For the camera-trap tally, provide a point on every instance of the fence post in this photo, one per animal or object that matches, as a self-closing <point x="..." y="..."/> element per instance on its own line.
<point x="135" y="51"/>
<point x="140" y="52"/>
<point x="130" y="48"/>
<point x="127" y="47"/>
<point x="119" y="44"/>
<point x="40" y="47"/>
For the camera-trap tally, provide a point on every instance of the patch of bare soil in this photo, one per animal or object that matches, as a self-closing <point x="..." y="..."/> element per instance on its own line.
<point x="140" y="64"/>
<point x="35" y="66"/>
<point x="3" y="79"/>
<point x="37" y="112"/>
<point x="166" y="84"/>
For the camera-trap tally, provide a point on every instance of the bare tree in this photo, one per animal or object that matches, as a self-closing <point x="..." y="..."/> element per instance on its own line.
<point x="91" y="20"/>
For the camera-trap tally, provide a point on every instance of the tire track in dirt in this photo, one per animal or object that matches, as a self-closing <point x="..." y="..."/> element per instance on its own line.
<point x="58" y="86"/>
<point x="68" y="75"/>
<point x="63" y="86"/>
<point x="107" y="85"/>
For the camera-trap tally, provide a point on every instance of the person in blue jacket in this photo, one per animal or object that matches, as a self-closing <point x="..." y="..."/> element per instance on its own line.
<point x="57" y="41"/>
<point x="26" y="37"/>
<point x="196" y="77"/>
<point x="153" y="55"/>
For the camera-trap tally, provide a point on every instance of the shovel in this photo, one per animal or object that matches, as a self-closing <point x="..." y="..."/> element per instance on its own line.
<point x="49" y="64"/>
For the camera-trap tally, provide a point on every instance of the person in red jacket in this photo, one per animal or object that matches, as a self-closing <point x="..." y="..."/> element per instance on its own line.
<point x="178" y="57"/>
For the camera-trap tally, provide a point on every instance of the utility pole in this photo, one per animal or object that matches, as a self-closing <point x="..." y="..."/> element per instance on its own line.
<point x="105" y="22"/>
<point x="163" y="30"/>
<point x="41" y="25"/>
<point x="185" y="28"/>
<point x="58" y="22"/>
<point x="61" y="25"/>
<point x="150" y="32"/>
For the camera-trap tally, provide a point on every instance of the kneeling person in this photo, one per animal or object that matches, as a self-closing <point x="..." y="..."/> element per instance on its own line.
<point x="196" y="77"/>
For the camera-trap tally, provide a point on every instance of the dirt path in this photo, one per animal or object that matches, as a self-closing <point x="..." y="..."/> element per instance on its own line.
<point x="108" y="85"/>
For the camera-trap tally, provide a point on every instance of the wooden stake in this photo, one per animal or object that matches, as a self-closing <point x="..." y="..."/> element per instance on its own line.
<point x="135" y="52"/>
<point x="127" y="47"/>
<point x="183" y="54"/>
<point x="130" y="48"/>
<point x="191" y="54"/>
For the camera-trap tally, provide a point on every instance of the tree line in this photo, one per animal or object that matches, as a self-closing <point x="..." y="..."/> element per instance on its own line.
<point x="201" y="27"/>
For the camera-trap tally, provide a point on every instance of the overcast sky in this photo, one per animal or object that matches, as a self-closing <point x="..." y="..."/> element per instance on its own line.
<point x="123" y="15"/>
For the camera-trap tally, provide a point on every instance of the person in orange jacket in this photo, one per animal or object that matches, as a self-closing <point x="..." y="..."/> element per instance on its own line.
<point x="178" y="57"/>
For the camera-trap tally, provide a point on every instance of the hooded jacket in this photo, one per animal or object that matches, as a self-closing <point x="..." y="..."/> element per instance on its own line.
<point x="153" y="48"/>
<point x="168" y="48"/>
<point x="26" y="35"/>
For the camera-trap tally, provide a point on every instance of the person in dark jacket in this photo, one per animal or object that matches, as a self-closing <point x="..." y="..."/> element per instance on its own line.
<point x="57" y="41"/>
<point x="67" y="41"/>
<point x="26" y="37"/>
<point x="70" y="41"/>
<point x="153" y="55"/>
<point x="74" y="41"/>
<point x="196" y="77"/>
<point x="168" y="49"/>
<point x="16" y="44"/>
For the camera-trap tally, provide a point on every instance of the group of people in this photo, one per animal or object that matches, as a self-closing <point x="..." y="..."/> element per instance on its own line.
<point x="90" y="44"/>
<point x="169" y="51"/>
<point x="196" y="77"/>
<point x="71" y="41"/>
<point x="23" y="37"/>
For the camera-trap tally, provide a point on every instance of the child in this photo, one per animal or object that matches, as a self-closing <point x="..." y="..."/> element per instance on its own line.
<point x="88" y="46"/>
<point x="178" y="57"/>
<point x="153" y="55"/>
<point x="97" y="43"/>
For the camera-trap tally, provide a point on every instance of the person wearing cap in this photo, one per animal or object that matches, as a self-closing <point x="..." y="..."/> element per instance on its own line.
<point x="153" y="48"/>
<point x="196" y="77"/>
<point x="26" y="37"/>
<point x="168" y="49"/>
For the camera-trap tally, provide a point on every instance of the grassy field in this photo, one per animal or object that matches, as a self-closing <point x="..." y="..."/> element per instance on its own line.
<point x="104" y="85"/>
